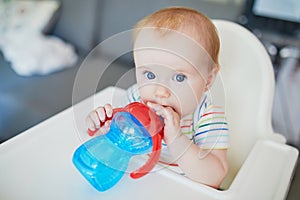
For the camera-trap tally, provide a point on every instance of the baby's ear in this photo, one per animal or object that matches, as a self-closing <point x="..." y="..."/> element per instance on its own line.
<point x="211" y="77"/>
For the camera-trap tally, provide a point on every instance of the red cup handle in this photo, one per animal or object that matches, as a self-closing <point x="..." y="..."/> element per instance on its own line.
<point x="153" y="158"/>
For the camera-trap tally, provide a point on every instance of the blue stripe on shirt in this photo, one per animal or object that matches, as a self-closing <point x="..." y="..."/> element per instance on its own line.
<point x="204" y="100"/>
<point x="216" y="129"/>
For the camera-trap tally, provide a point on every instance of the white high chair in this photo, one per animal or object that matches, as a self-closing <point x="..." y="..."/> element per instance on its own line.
<point x="37" y="164"/>
<point x="260" y="163"/>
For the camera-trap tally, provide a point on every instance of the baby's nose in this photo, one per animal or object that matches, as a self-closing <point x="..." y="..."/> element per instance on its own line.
<point x="162" y="92"/>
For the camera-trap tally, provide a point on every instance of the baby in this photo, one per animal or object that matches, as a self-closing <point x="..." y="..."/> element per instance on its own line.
<point x="176" y="56"/>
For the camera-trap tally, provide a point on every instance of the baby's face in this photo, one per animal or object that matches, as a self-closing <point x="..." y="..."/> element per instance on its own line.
<point x="171" y="71"/>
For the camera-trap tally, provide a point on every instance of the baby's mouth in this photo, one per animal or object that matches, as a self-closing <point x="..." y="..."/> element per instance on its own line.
<point x="165" y="106"/>
<point x="174" y="109"/>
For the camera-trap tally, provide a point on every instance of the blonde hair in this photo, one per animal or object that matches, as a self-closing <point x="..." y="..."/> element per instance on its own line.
<point x="185" y="19"/>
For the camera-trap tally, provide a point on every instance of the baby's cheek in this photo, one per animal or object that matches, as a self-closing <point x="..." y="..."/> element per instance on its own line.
<point x="143" y="90"/>
<point x="189" y="99"/>
<point x="145" y="95"/>
<point x="186" y="104"/>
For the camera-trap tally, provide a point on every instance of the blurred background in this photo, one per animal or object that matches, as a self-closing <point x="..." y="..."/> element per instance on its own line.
<point x="44" y="43"/>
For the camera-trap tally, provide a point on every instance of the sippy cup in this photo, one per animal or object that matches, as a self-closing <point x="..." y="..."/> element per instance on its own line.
<point x="134" y="130"/>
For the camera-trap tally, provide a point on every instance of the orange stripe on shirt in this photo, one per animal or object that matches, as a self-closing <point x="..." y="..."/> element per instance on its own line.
<point x="210" y="113"/>
<point x="186" y="126"/>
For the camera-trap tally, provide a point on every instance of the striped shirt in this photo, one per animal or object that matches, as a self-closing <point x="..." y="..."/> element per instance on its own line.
<point x="207" y="126"/>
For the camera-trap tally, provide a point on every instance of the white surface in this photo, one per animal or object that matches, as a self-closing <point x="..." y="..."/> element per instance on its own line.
<point x="37" y="163"/>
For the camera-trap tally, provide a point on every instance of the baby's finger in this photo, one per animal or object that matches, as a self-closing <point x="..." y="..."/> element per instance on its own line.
<point x="95" y="118"/>
<point x="90" y="124"/>
<point x="101" y="113"/>
<point x="154" y="106"/>
<point x="109" y="110"/>
<point x="168" y="112"/>
<point x="103" y="129"/>
<point x="107" y="123"/>
<point x="159" y="110"/>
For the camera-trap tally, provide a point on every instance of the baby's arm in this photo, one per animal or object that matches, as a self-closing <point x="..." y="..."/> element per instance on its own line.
<point x="205" y="166"/>
<point x="98" y="119"/>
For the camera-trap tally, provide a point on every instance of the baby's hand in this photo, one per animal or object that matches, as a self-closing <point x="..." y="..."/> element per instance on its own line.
<point x="172" y="128"/>
<point x="99" y="119"/>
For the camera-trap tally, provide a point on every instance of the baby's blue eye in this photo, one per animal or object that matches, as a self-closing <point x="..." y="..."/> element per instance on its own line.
<point x="180" y="77"/>
<point x="150" y="75"/>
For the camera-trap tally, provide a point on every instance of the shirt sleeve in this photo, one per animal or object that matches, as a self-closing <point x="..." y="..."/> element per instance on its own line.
<point x="211" y="128"/>
<point x="133" y="94"/>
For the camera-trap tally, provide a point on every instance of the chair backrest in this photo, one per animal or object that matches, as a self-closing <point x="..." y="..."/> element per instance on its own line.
<point x="245" y="87"/>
